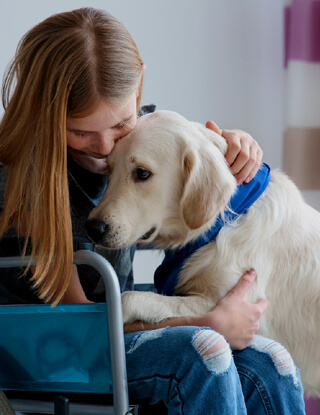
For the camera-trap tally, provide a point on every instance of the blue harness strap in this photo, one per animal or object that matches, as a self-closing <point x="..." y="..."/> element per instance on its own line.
<point x="166" y="275"/>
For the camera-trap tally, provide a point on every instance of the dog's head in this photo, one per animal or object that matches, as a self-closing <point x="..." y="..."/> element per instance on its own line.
<point x="168" y="181"/>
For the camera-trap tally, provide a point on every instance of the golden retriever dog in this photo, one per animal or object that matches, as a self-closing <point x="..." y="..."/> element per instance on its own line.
<point x="169" y="182"/>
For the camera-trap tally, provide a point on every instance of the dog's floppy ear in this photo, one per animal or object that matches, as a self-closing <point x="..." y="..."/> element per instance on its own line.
<point x="208" y="184"/>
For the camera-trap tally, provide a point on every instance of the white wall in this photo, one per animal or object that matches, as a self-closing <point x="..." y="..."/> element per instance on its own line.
<point x="210" y="59"/>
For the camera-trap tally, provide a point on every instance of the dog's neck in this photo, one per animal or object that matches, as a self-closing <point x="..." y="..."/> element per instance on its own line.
<point x="176" y="235"/>
<point x="179" y="234"/>
<point x="167" y="274"/>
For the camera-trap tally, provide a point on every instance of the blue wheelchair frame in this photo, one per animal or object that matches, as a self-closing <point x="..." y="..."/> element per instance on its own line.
<point x="77" y="348"/>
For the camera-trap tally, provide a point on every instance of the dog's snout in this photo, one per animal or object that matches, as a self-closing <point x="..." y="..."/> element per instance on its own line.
<point x="96" y="229"/>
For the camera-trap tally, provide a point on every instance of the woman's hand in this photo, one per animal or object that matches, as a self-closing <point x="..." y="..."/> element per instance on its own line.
<point x="244" y="154"/>
<point x="235" y="318"/>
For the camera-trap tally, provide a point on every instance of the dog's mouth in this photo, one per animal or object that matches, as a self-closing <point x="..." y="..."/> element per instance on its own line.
<point x="148" y="234"/>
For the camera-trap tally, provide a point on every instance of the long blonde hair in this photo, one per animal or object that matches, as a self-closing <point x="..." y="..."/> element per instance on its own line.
<point x="62" y="67"/>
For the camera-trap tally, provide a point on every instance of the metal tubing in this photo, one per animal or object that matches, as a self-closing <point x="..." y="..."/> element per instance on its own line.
<point x="115" y="325"/>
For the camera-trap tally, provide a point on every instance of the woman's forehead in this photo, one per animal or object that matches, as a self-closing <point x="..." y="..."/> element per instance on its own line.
<point x="103" y="116"/>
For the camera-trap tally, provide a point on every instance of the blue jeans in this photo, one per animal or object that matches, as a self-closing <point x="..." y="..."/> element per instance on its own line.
<point x="193" y="371"/>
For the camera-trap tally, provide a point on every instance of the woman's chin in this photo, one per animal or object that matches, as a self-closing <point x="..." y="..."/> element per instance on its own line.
<point x="95" y="165"/>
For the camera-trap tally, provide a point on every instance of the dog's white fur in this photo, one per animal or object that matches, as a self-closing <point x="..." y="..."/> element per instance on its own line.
<point x="190" y="183"/>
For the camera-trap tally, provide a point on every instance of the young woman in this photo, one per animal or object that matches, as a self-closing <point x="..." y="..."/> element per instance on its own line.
<point x="73" y="90"/>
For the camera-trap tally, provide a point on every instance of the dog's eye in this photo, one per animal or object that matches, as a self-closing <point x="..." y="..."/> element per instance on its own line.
<point x="141" y="174"/>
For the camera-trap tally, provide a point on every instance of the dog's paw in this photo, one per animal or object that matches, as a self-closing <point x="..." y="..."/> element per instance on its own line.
<point x="128" y="300"/>
<point x="140" y="306"/>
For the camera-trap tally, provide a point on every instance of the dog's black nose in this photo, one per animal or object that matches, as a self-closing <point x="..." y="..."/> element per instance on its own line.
<point x="96" y="229"/>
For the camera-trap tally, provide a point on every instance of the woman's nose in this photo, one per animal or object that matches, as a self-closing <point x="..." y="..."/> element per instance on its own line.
<point x="105" y="145"/>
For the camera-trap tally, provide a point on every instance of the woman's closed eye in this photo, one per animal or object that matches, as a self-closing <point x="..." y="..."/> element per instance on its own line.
<point x="120" y="126"/>
<point x="81" y="134"/>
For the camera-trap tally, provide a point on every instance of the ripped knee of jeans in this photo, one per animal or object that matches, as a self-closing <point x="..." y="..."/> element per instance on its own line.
<point x="213" y="349"/>
<point x="279" y="355"/>
<point x="144" y="337"/>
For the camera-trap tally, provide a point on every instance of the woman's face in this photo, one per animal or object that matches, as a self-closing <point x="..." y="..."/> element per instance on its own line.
<point x="91" y="138"/>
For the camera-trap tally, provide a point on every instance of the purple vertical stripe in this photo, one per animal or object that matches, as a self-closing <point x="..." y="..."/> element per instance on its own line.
<point x="312" y="406"/>
<point x="302" y="31"/>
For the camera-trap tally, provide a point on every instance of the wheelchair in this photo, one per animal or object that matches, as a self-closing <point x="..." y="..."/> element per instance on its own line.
<point x="68" y="359"/>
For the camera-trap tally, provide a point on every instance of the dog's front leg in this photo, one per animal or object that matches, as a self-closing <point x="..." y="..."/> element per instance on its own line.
<point x="153" y="308"/>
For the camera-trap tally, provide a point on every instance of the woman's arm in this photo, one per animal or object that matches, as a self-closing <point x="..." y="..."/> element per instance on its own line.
<point x="74" y="293"/>
<point x="233" y="317"/>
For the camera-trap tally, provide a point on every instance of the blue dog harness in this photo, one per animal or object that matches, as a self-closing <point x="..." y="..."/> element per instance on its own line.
<point x="166" y="275"/>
